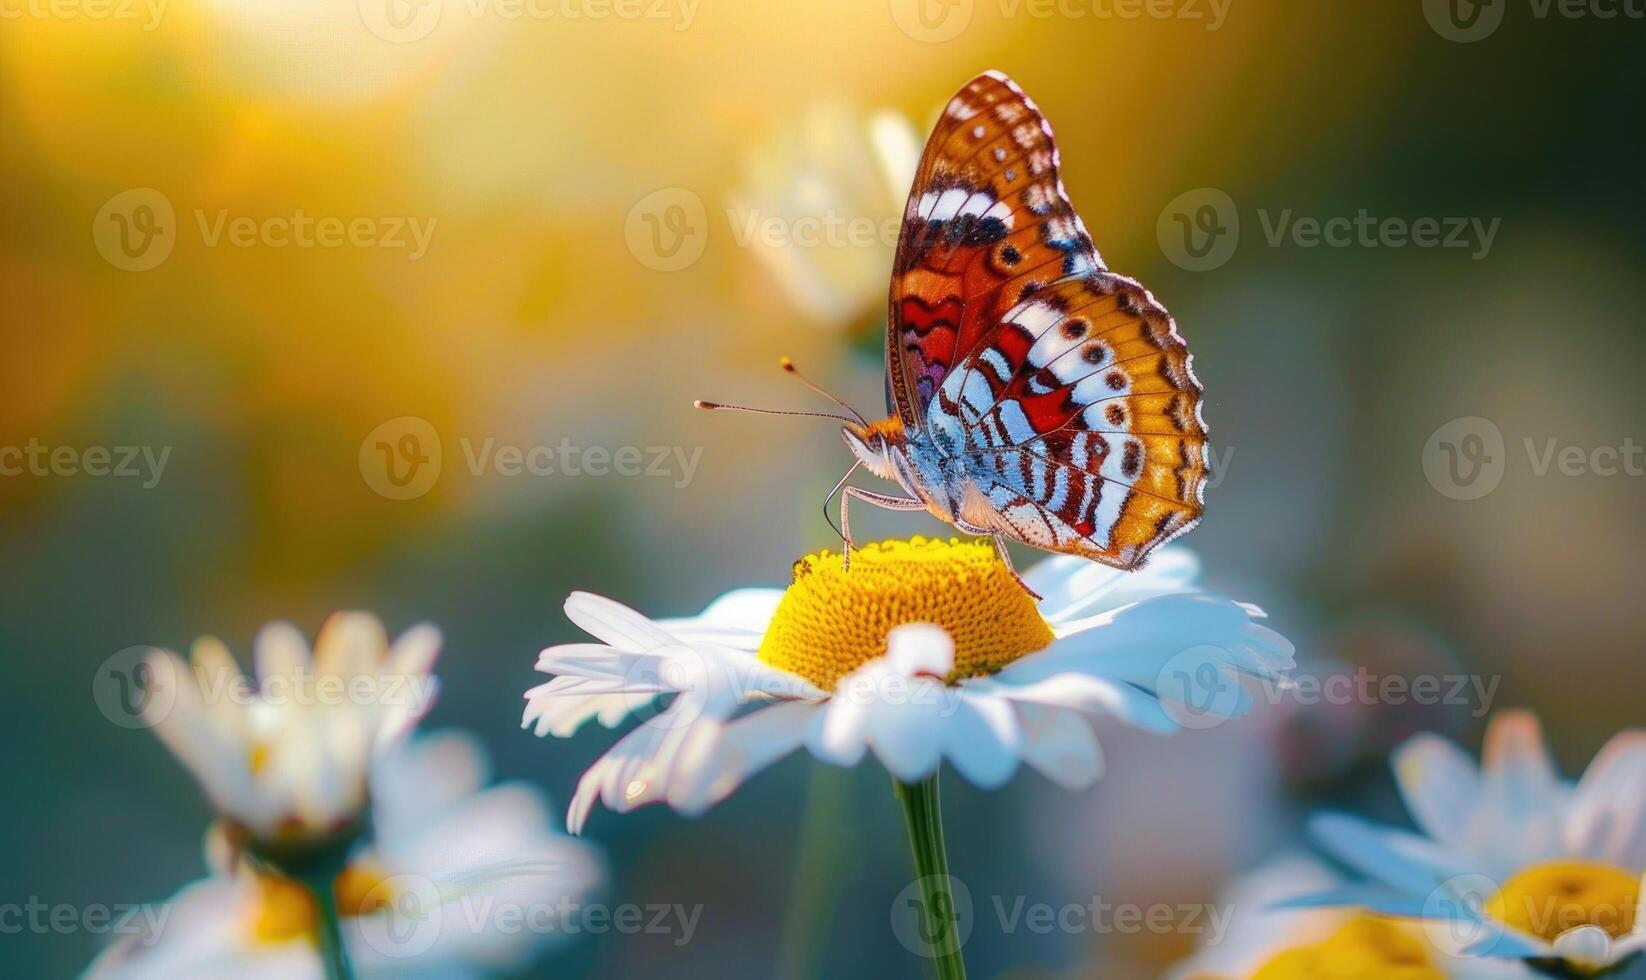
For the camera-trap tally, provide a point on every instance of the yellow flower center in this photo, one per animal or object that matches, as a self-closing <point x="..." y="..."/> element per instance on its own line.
<point x="286" y="911"/>
<point x="832" y="621"/>
<point x="1548" y="899"/>
<point x="1364" y="948"/>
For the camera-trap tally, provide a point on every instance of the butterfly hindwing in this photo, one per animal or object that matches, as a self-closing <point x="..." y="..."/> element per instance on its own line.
<point x="987" y="222"/>
<point x="1082" y="421"/>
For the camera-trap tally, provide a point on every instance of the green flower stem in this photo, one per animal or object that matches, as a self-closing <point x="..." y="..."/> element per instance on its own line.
<point x="332" y="952"/>
<point x="939" y="926"/>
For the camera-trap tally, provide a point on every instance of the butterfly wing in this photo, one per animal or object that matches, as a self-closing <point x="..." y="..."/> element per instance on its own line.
<point x="986" y="222"/>
<point x="1065" y="387"/>
<point x="1081" y="422"/>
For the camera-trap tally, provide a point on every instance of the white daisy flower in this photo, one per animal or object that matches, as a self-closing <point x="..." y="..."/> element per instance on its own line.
<point x="848" y="663"/>
<point x="285" y="760"/>
<point x="833" y="186"/>
<point x="1510" y="859"/>
<point x="459" y="879"/>
<point x="1253" y="939"/>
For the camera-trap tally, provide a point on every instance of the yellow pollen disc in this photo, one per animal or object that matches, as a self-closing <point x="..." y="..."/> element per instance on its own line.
<point x="831" y="621"/>
<point x="1549" y="899"/>
<point x="361" y="890"/>
<point x="286" y="911"/>
<point x="1364" y="948"/>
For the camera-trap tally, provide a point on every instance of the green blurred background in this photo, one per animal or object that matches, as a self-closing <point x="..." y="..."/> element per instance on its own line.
<point x="542" y="309"/>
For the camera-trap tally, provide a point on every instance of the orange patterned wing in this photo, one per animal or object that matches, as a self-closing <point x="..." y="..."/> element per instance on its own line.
<point x="987" y="222"/>
<point x="1081" y="422"/>
<point x="1063" y="389"/>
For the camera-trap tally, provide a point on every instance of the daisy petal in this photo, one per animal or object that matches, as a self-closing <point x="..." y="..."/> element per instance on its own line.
<point x="1402" y="860"/>
<point x="1608" y="812"/>
<point x="614" y="623"/>
<point x="1587" y="947"/>
<point x="1440" y="785"/>
<point x="720" y="760"/>
<point x="1060" y="745"/>
<point x="982" y="740"/>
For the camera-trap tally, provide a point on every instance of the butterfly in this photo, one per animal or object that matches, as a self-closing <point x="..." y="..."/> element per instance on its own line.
<point x="1032" y="394"/>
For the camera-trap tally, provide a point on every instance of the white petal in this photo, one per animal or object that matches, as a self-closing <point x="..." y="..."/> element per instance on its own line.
<point x="737" y="619"/>
<point x="414" y="652"/>
<point x="1608" y="812"/>
<point x="1409" y="863"/>
<point x="982" y="741"/>
<point x="279" y="651"/>
<point x="414" y="784"/>
<point x="616" y="624"/>
<point x="920" y="648"/>
<point x="1136" y="643"/>
<point x="1074" y="587"/>
<point x="716" y="761"/>
<point x="350" y="644"/>
<point x="908" y="737"/>
<point x="1440" y="785"/>
<point x="1520" y="819"/>
<point x="1093" y="696"/>
<point x="1060" y="745"/>
<point x="1586" y="946"/>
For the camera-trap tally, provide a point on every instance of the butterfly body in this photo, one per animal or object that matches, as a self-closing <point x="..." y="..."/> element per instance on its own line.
<point x="1034" y="394"/>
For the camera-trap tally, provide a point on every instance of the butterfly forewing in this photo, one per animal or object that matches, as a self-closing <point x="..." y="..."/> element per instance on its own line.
<point x="1064" y="388"/>
<point x="987" y="220"/>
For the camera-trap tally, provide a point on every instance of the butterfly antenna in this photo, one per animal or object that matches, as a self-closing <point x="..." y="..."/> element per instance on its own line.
<point x="722" y="407"/>
<point x="788" y="366"/>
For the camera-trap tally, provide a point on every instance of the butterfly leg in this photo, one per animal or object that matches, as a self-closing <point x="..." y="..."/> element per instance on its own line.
<point x="868" y="496"/>
<point x="1006" y="556"/>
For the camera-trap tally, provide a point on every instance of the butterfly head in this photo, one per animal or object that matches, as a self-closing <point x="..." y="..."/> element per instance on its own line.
<point x="874" y="443"/>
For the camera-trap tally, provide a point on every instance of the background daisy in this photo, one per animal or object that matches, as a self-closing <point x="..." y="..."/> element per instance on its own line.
<point x="458" y="879"/>
<point x="1510" y="858"/>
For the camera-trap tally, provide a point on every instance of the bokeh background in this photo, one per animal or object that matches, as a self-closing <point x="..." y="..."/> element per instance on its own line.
<point x="585" y="174"/>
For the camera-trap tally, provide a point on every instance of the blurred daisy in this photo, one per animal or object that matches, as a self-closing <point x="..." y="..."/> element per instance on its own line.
<point x="1251" y="939"/>
<point x="820" y="204"/>
<point x="1511" y="860"/>
<point x="457" y="880"/>
<point x="924" y="651"/>
<point x="285" y="761"/>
